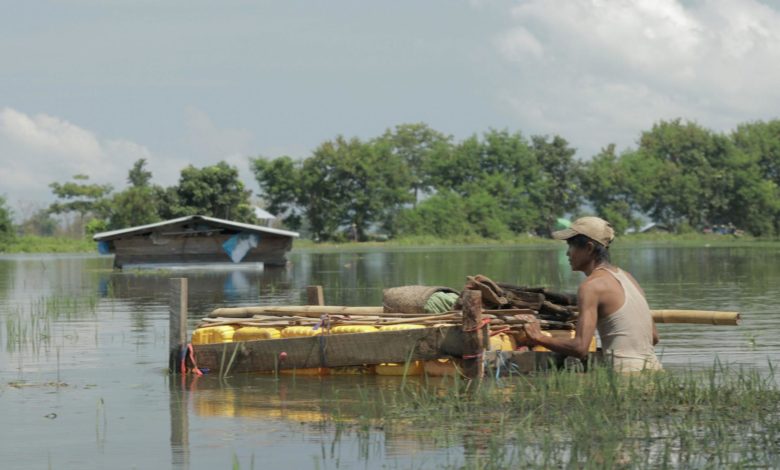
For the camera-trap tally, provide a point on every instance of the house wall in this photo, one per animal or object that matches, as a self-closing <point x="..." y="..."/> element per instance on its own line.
<point x="207" y="248"/>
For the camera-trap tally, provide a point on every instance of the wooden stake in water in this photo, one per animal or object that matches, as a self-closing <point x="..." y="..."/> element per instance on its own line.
<point x="177" y="330"/>
<point x="314" y="295"/>
<point x="474" y="335"/>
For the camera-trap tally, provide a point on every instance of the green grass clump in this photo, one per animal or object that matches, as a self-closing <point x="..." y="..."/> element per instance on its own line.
<point x="36" y="244"/>
<point x="720" y="418"/>
<point x="32" y="326"/>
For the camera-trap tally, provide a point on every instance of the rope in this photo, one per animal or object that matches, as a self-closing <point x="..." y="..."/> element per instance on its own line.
<point x="195" y="369"/>
<point x="184" y="352"/>
<point x="325" y="323"/>
<point x="485" y="321"/>
<point x="499" y="331"/>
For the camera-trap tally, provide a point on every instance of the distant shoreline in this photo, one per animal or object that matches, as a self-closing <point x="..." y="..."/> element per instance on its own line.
<point x="36" y="244"/>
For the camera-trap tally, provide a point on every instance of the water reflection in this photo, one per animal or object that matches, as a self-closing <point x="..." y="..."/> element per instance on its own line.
<point x="106" y="338"/>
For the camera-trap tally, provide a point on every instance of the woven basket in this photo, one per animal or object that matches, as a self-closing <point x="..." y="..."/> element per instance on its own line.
<point x="409" y="299"/>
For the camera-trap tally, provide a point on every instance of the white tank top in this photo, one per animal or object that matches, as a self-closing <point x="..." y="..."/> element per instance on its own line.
<point x="627" y="334"/>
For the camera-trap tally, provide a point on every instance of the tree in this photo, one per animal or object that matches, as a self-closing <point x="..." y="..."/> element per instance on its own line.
<point x="39" y="223"/>
<point x="610" y="186"/>
<point x="136" y="205"/>
<point x="349" y="182"/>
<point x="557" y="188"/>
<point x="529" y="185"/>
<point x="689" y="161"/>
<point x="416" y="145"/>
<point x="139" y="176"/>
<point x="81" y="197"/>
<point x="280" y="185"/>
<point x="6" y="222"/>
<point x="212" y="191"/>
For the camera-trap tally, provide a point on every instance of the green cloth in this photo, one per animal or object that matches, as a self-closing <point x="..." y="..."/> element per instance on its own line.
<point x="561" y="223"/>
<point x="441" y="302"/>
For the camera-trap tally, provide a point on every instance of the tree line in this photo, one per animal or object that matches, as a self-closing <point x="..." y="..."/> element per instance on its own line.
<point x="414" y="180"/>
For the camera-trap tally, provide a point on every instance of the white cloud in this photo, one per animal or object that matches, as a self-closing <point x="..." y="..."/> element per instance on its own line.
<point x="599" y="71"/>
<point x="210" y="143"/>
<point x="38" y="150"/>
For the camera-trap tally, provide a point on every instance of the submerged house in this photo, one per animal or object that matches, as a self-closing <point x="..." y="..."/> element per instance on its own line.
<point x="196" y="239"/>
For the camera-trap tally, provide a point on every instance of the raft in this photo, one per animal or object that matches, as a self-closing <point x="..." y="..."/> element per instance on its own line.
<point x="484" y="333"/>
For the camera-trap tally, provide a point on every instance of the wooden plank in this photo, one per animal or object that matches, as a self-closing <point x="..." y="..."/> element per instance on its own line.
<point x="177" y="322"/>
<point x="333" y="350"/>
<point x="474" y="336"/>
<point x="314" y="295"/>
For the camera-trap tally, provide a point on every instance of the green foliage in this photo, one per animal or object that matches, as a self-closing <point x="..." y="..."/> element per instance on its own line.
<point x="417" y="145"/>
<point x="78" y="196"/>
<point x="48" y="244"/>
<point x="214" y="191"/>
<point x="96" y="226"/>
<point x="522" y="186"/>
<point x="137" y="205"/>
<point x="138" y="176"/>
<point x="349" y="182"/>
<point x="448" y="215"/>
<point x="280" y="186"/>
<point x="610" y="188"/>
<point x="6" y="223"/>
<point x="689" y="178"/>
<point x="40" y="223"/>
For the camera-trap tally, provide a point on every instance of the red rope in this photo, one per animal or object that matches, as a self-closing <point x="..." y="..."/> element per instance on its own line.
<point x="195" y="369"/>
<point x="498" y="332"/>
<point x="471" y="356"/>
<point x="485" y="321"/>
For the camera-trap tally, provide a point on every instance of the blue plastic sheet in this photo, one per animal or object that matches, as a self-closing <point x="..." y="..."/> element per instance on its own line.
<point x="239" y="245"/>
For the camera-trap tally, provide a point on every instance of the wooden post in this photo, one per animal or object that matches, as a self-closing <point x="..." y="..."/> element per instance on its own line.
<point x="474" y="336"/>
<point x="314" y="295"/>
<point x="177" y="322"/>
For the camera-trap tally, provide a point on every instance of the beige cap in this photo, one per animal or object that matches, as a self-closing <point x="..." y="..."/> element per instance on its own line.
<point x="594" y="228"/>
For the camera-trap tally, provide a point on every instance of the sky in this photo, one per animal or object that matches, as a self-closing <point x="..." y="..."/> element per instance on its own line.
<point x="90" y="86"/>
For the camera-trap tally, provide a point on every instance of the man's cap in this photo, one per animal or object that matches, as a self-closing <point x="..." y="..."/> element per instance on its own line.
<point x="595" y="228"/>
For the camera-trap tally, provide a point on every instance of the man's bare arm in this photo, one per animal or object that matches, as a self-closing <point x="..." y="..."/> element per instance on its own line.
<point x="586" y="326"/>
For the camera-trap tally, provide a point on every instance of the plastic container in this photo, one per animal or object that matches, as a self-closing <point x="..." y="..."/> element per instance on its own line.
<point x="213" y="334"/>
<point x="502" y="342"/>
<point x="254" y="333"/>
<point x="349" y="329"/>
<point x="300" y="331"/>
<point x="400" y="327"/>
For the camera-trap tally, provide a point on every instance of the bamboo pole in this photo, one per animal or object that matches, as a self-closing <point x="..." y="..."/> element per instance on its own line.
<point x="697" y="317"/>
<point x="302" y="310"/>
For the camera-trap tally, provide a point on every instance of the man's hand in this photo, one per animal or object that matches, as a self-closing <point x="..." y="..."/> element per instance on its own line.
<point x="533" y="331"/>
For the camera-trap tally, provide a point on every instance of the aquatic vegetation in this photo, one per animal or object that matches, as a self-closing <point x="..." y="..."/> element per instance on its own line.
<point x="32" y="325"/>
<point x="722" y="417"/>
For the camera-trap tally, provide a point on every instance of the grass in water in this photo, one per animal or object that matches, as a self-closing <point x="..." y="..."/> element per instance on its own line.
<point x="32" y="325"/>
<point x="723" y="417"/>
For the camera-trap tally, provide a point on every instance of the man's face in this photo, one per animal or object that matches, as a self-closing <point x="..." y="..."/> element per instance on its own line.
<point x="579" y="256"/>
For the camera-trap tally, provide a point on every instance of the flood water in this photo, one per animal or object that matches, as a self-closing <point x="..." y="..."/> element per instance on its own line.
<point x="83" y="381"/>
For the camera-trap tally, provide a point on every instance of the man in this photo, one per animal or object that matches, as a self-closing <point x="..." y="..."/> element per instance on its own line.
<point x="609" y="299"/>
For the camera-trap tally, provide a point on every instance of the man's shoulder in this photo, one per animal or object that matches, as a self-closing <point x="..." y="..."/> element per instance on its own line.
<point x="599" y="281"/>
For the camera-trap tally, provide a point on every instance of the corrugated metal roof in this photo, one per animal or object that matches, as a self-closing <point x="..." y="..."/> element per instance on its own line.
<point x="227" y="223"/>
